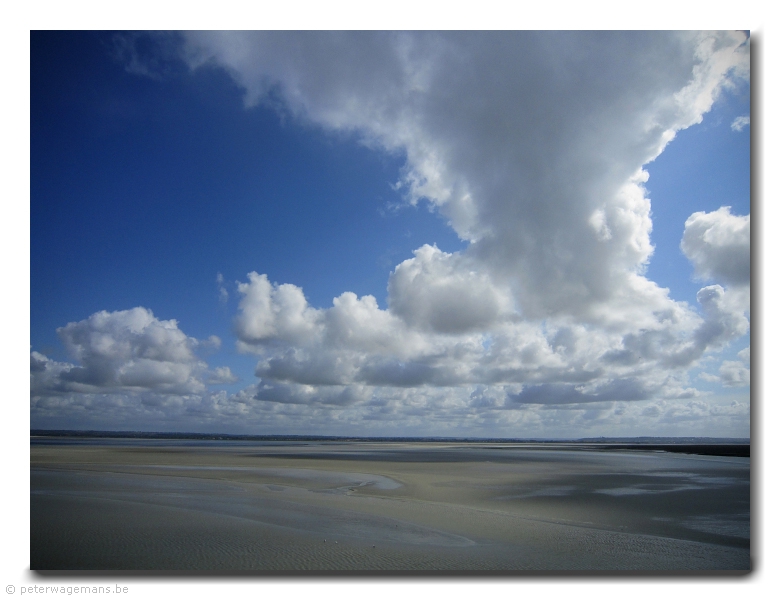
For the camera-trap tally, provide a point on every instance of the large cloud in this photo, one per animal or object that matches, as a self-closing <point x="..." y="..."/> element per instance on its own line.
<point x="125" y="351"/>
<point x="532" y="145"/>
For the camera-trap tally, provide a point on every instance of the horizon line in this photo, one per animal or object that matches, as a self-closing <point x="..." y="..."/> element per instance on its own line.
<point x="316" y="437"/>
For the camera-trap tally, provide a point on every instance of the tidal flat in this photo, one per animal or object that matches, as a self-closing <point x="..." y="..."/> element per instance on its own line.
<point x="229" y="506"/>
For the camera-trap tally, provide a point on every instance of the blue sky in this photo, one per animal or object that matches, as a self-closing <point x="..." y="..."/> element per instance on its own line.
<point x="476" y="193"/>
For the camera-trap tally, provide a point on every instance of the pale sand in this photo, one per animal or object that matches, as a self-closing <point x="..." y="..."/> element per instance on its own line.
<point x="384" y="506"/>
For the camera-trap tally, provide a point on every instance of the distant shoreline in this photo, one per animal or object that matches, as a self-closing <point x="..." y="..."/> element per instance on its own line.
<point x="689" y="445"/>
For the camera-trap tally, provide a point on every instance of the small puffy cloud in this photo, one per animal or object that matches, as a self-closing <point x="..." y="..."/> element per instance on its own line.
<point x="123" y="351"/>
<point x="724" y="318"/>
<point x="45" y="374"/>
<point x="359" y="324"/>
<point x="736" y="373"/>
<point x="442" y="292"/>
<point x="131" y="349"/>
<point x="740" y="123"/>
<point x="744" y="355"/>
<point x="718" y="245"/>
<point x="267" y="312"/>
<point x="222" y="375"/>
<point x="212" y="343"/>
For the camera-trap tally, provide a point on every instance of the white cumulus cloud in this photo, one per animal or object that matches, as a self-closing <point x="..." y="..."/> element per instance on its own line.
<point x="442" y="292"/>
<point x="736" y="373"/>
<point x="124" y="351"/>
<point x="718" y="245"/>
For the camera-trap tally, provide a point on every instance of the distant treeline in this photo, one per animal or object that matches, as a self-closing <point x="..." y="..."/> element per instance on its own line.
<point x="693" y="445"/>
<point x="707" y="449"/>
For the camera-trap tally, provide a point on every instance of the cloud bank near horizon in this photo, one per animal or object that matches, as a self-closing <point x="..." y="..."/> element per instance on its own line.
<point x="532" y="147"/>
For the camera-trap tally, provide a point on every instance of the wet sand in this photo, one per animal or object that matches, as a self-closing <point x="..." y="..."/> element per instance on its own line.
<point x="384" y="506"/>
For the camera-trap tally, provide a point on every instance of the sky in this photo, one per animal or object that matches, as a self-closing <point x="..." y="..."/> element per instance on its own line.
<point x="387" y="234"/>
